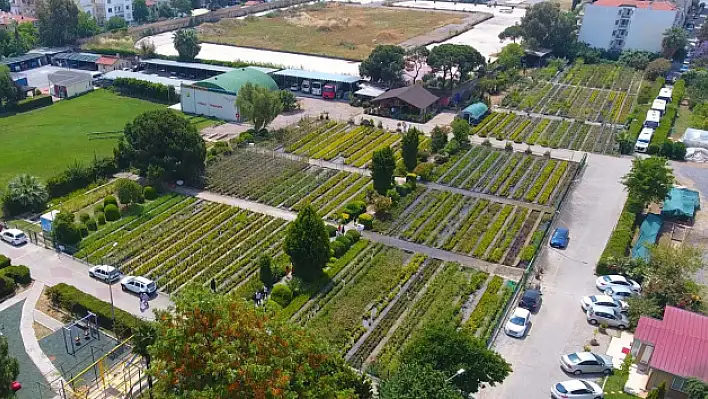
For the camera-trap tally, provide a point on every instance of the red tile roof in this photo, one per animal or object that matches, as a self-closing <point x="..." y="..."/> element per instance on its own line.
<point x="680" y="342"/>
<point x="6" y="18"/>
<point x="653" y="5"/>
<point x="107" y="60"/>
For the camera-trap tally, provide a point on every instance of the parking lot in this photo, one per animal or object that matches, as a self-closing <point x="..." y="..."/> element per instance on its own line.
<point x="560" y="326"/>
<point x="37" y="77"/>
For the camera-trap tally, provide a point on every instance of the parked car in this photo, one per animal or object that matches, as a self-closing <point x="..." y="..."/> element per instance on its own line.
<point x="608" y="316"/>
<point x="14" y="236"/>
<point x="560" y="238"/>
<point x="138" y="285"/>
<point x="586" y="362"/>
<point x="576" y="389"/>
<point x="105" y="273"/>
<point x="587" y="302"/>
<point x="518" y="323"/>
<point x="531" y="300"/>
<point x="615" y="280"/>
<point x="305" y="86"/>
<point x="294" y="87"/>
<point x="620" y="293"/>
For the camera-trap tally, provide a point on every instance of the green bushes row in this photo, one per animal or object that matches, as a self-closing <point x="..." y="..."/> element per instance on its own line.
<point x="29" y="104"/>
<point x="620" y="240"/>
<point x="661" y="134"/>
<point x="4" y="261"/>
<point x="145" y="89"/>
<point x="77" y="302"/>
<point x="341" y="244"/>
<point x="679" y="92"/>
<point x="19" y="274"/>
<point x="78" y="176"/>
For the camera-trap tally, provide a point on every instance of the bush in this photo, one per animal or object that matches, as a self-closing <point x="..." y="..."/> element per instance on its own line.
<point x="144" y="89"/>
<point x="100" y="218"/>
<point x="509" y="146"/>
<point x="109" y="200"/>
<point x="338" y="248"/>
<point x="77" y="302"/>
<point x="97" y="209"/>
<point x="4" y="261"/>
<point x="355" y="208"/>
<point x="91" y="225"/>
<point x="619" y="242"/>
<point x="282" y="295"/>
<point x="7" y="286"/>
<point x="394" y="195"/>
<point x="83" y="230"/>
<point x="366" y="220"/>
<point x="29" y="104"/>
<point x="345" y="240"/>
<point x="424" y="170"/>
<point x="527" y="253"/>
<point x="331" y="230"/>
<point x="149" y="193"/>
<point x="78" y="176"/>
<point x="19" y="274"/>
<point x="84" y="217"/>
<point x="353" y="235"/>
<point x="112" y="213"/>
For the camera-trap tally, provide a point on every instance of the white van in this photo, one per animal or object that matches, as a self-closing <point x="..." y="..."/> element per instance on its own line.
<point x="659" y="105"/>
<point x="643" y="140"/>
<point x="305" y="86"/>
<point x="316" y="88"/>
<point x="653" y="119"/>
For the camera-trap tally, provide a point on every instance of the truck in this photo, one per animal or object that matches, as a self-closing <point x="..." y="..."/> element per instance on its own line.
<point x="643" y="140"/>
<point x="316" y="88"/>
<point x="332" y="91"/>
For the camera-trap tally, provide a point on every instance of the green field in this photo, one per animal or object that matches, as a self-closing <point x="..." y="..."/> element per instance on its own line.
<point x="44" y="141"/>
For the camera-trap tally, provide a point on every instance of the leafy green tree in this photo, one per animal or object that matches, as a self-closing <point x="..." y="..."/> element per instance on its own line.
<point x="187" y="44"/>
<point x="9" y="369"/>
<point x="144" y="337"/>
<point x="165" y="11"/>
<point x="57" y="22"/>
<point x="383" y="165"/>
<point x="512" y="32"/>
<point x="164" y="140"/>
<point x="385" y="64"/>
<point x="115" y="22"/>
<point x="129" y="191"/>
<point x="657" y="68"/>
<point x="545" y="25"/>
<point x="86" y="25"/>
<point x="454" y="60"/>
<point x="259" y="105"/>
<point x="288" y="99"/>
<point x="674" y="40"/>
<point x="643" y="306"/>
<point x="438" y="138"/>
<point x="417" y="57"/>
<point x="695" y="388"/>
<point x="182" y="6"/>
<point x="65" y="230"/>
<point x="448" y="350"/>
<point x="218" y="346"/>
<point x="413" y="381"/>
<point x="141" y="12"/>
<point x="636" y="59"/>
<point x="8" y="90"/>
<point x="307" y="244"/>
<point x="265" y="267"/>
<point x="29" y="35"/>
<point x="409" y="148"/>
<point x="461" y="130"/>
<point x="510" y="56"/>
<point x="649" y="180"/>
<point x="24" y="194"/>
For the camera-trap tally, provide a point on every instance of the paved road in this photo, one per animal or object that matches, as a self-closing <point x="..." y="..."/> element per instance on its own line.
<point x="591" y="211"/>
<point x="50" y="268"/>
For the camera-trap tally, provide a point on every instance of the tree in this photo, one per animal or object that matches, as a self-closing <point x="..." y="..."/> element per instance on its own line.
<point x="413" y="381"/>
<point x="24" y="194"/>
<point x="218" y="346"/>
<point x="385" y="64"/>
<point x="510" y="56"/>
<point x="29" y="35"/>
<point x="187" y="44"/>
<point x="643" y="306"/>
<point x="461" y="130"/>
<point x="383" y="165"/>
<point x="675" y="39"/>
<point x="65" y="230"/>
<point x="288" y="99"/>
<point x="9" y="369"/>
<point x="141" y="12"/>
<point x="8" y="90"/>
<point x="667" y="276"/>
<point x="164" y="140"/>
<point x="545" y="25"/>
<point x="259" y="105"/>
<point x="695" y="388"/>
<point x="182" y="6"/>
<point x="265" y="267"/>
<point x="438" y="138"/>
<point x="448" y="350"/>
<point x="511" y="32"/>
<point x="128" y="191"/>
<point x="649" y="180"/>
<point x="144" y="337"/>
<point x="86" y="25"/>
<point x="703" y="33"/>
<point x="307" y="244"/>
<point x="57" y="22"/>
<point x="409" y="148"/>
<point x="454" y="60"/>
<point x="636" y="59"/>
<point x="658" y="67"/>
<point x="416" y="58"/>
<point x="115" y="22"/>
<point x="164" y="10"/>
<point x="146" y="48"/>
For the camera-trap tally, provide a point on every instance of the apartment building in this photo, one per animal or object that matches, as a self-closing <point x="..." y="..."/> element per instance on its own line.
<point x="103" y="10"/>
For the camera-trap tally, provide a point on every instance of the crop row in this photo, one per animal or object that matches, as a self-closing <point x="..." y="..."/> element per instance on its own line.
<point x="481" y="318"/>
<point x="434" y="199"/>
<point x="312" y="137"/>
<point x="541" y="181"/>
<point x="508" y="235"/>
<point x="519" y="240"/>
<point x="492" y="231"/>
<point x="552" y="183"/>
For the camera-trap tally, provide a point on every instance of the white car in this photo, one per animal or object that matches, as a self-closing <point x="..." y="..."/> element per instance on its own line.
<point x="620" y="293"/>
<point x="615" y="280"/>
<point x="576" y="389"/>
<point x="603" y="300"/>
<point x="138" y="285"/>
<point x="14" y="236"/>
<point x="518" y="323"/>
<point x="105" y="273"/>
<point x="586" y="362"/>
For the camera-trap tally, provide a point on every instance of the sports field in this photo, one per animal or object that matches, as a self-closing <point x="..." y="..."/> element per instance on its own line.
<point x="333" y="29"/>
<point x="43" y="142"/>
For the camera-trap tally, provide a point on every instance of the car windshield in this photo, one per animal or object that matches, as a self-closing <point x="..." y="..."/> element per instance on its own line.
<point x="599" y="359"/>
<point x="573" y="358"/>
<point x="593" y="299"/>
<point x="560" y="388"/>
<point x="519" y="321"/>
<point x="21" y="235"/>
<point x="328" y="89"/>
<point x="606" y="278"/>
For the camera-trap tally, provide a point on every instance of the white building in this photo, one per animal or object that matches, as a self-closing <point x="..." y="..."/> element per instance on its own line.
<point x="103" y="10"/>
<point x="628" y="24"/>
<point x="68" y="83"/>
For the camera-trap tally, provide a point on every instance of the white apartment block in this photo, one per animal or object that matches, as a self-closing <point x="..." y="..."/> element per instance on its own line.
<point x="103" y="10"/>
<point x="619" y="25"/>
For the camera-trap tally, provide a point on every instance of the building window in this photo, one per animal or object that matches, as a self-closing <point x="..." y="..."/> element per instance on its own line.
<point x="678" y="383"/>
<point x="110" y="10"/>
<point x="127" y="7"/>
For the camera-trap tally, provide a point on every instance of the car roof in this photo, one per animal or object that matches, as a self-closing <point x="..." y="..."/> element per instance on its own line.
<point x="583" y="356"/>
<point x="521" y="312"/>
<point x="605" y="309"/>
<point x="619" y="288"/>
<point x="562" y="230"/>
<point x="106" y="267"/>
<point x="531" y="293"/>
<point x="572" y="385"/>
<point x="616" y="277"/>
<point x="142" y="279"/>
<point x="14" y="232"/>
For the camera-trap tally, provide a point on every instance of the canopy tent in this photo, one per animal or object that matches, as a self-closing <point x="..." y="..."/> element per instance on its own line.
<point x="681" y="202"/>
<point x="648" y="232"/>
<point x="475" y="112"/>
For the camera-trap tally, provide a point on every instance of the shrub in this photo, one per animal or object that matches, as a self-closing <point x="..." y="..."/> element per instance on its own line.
<point x="424" y="170"/>
<point x="353" y="235"/>
<point x="508" y="146"/>
<point x="91" y="225"/>
<point x="84" y="217"/>
<point x="345" y="240"/>
<point x="112" y="213"/>
<point x="19" y="274"/>
<point x="366" y="220"/>
<point x="620" y="240"/>
<point x="338" y="248"/>
<point x="282" y="295"/>
<point x="7" y="286"/>
<point x="77" y="302"/>
<point x="101" y="218"/>
<point x="149" y="193"/>
<point x="144" y="89"/>
<point x="77" y="176"/>
<point x="331" y="230"/>
<point x="4" y="261"/>
<point x="527" y="253"/>
<point x="109" y="200"/>
<point x="355" y="208"/>
<point x="97" y="209"/>
<point x="83" y="230"/>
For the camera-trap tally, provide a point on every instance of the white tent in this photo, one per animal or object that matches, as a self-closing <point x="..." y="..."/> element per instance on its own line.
<point x="695" y="138"/>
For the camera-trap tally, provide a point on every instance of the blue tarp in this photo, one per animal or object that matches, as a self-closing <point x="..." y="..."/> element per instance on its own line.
<point x="681" y="202"/>
<point x="475" y="111"/>
<point x="648" y="232"/>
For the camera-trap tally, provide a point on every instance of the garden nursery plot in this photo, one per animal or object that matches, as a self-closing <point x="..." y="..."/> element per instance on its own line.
<point x="491" y="231"/>
<point x="339" y="142"/>
<point x="507" y="174"/>
<point x="277" y="181"/>
<point x="549" y="133"/>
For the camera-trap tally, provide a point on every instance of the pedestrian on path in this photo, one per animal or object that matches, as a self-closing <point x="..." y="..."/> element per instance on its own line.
<point x="144" y="305"/>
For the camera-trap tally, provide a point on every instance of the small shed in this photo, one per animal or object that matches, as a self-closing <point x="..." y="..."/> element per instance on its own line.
<point x="681" y="203"/>
<point x="474" y="113"/>
<point x="67" y="84"/>
<point x="369" y="92"/>
<point x="695" y="138"/>
<point x="413" y="100"/>
<point x="47" y="219"/>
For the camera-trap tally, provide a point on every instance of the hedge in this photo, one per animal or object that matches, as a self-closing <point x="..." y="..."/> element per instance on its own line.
<point x="112" y="213"/>
<point x="661" y="134"/>
<point x="78" y="176"/>
<point x="109" y="200"/>
<point x="7" y="286"/>
<point x="366" y="220"/>
<point x="4" y="261"/>
<point x="282" y="295"/>
<point x="144" y="89"/>
<point x="679" y="92"/>
<point x="77" y="302"/>
<point x="19" y="274"/>
<point x="619" y="242"/>
<point x="29" y="104"/>
<point x="149" y="193"/>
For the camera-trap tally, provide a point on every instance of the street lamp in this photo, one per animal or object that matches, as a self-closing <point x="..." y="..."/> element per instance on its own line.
<point x="457" y="374"/>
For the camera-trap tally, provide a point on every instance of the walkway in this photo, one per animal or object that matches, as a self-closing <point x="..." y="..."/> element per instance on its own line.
<point x="312" y="161"/>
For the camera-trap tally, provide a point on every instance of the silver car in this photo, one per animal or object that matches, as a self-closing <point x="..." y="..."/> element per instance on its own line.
<point x="576" y="389"/>
<point x="586" y="362"/>
<point x="105" y="273"/>
<point x="602" y="300"/>
<point x="608" y="316"/>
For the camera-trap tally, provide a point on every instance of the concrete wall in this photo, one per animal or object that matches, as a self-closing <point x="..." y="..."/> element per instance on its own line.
<point x="597" y="27"/>
<point x="199" y="101"/>
<point x="79" y="88"/>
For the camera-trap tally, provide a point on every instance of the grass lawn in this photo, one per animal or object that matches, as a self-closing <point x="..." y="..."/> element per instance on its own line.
<point x="44" y="141"/>
<point x="614" y="387"/>
<point x="683" y="121"/>
<point x="333" y="30"/>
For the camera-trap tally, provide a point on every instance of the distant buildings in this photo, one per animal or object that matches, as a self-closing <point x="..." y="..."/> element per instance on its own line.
<point x="103" y="10"/>
<point x="8" y="19"/>
<point x="619" y="25"/>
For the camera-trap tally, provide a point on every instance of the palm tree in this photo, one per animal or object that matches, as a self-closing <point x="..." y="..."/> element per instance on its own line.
<point x="25" y="194"/>
<point x="186" y="43"/>
<point x="674" y="40"/>
<point x="143" y="337"/>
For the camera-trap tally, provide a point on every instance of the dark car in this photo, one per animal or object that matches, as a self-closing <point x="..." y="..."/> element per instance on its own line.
<point x="560" y="238"/>
<point x="531" y="300"/>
